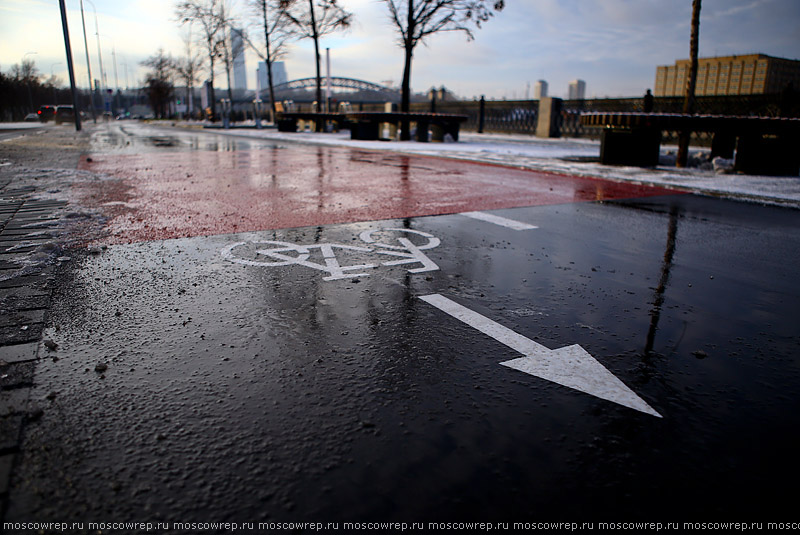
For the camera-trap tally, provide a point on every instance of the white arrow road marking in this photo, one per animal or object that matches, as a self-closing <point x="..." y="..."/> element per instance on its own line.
<point x="569" y="366"/>
<point x="497" y="220"/>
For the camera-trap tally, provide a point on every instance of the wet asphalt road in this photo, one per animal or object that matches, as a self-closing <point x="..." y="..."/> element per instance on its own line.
<point x="298" y="373"/>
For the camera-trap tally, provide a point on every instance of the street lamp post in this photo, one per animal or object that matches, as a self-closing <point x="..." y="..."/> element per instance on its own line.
<point x="127" y="82"/>
<point x="52" y="80"/>
<point x="116" y="77"/>
<point x="70" y="69"/>
<point x="88" y="65"/>
<point x="30" y="96"/>
<point x="99" y="52"/>
<point x="257" y="111"/>
<point x="114" y="55"/>
<point x="126" y="95"/>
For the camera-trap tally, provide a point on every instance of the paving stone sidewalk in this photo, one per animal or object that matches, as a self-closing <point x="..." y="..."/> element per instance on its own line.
<point x="34" y="171"/>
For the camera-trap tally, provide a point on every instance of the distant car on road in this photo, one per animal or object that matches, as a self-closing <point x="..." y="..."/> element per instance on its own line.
<point x="31" y="117"/>
<point x="65" y="114"/>
<point x="46" y="113"/>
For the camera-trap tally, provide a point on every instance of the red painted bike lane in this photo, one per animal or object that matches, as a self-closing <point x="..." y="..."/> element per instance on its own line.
<point x="595" y="362"/>
<point x="164" y="195"/>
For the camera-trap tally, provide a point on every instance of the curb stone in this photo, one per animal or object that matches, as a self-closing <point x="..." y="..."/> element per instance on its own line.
<point x="31" y="234"/>
<point x="25" y="293"/>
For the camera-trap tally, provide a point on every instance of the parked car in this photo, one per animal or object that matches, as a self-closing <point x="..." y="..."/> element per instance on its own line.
<point x="65" y="114"/>
<point x="46" y="113"/>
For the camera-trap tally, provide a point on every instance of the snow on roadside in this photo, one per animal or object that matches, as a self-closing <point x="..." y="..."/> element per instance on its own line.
<point x="21" y="125"/>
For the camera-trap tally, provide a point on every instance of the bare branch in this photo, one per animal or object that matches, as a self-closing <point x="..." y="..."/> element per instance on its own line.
<point x="314" y="19"/>
<point x="415" y="20"/>
<point x="159" y="80"/>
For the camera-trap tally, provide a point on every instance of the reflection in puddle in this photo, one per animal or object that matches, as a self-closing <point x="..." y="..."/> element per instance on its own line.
<point x="163" y="141"/>
<point x="135" y="137"/>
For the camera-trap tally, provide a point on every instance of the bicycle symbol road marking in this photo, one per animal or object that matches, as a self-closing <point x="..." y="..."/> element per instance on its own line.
<point x="414" y="253"/>
<point x="271" y="253"/>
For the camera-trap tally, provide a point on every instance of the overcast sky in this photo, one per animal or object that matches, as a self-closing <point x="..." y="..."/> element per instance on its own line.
<point x="614" y="45"/>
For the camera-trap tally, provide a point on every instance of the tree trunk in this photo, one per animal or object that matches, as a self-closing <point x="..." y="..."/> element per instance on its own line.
<point x="315" y="36"/>
<point x="694" y="45"/>
<point x="211" y="96"/>
<point x="688" y="101"/>
<point x="405" y="97"/>
<point x="228" y="75"/>
<point x="227" y="49"/>
<point x="190" y="75"/>
<point x="227" y="60"/>
<point x="269" y="62"/>
<point x="271" y="91"/>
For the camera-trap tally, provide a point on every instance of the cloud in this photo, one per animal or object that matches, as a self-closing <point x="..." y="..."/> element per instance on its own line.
<point x="615" y="45"/>
<point x="728" y="11"/>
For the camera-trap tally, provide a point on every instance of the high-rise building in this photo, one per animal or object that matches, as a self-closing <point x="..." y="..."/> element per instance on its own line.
<point x="729" y="75"/>
<point x="278" y="74"/>
<point x="539" y="89"/>
<point x="237" y="51"/>
<point x="577" y="90"/>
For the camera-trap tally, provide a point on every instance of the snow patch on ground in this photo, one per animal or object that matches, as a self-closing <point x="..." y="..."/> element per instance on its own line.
<point x="48" y="237"/>
<point x="21" y="126"/>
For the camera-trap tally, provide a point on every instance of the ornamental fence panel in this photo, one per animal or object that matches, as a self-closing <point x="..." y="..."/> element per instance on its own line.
<point x="520" y="116"/>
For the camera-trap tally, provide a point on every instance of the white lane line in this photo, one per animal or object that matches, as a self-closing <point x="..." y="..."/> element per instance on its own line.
<point x="497" y="220"/>
<point x="570" y="366"/>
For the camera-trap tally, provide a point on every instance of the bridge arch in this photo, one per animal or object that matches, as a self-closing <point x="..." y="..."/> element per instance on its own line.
<point x="351" y="84"/>
<point x="344" y="89"/>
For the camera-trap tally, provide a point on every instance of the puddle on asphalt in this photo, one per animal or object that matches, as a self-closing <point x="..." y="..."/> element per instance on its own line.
<point x="138" y="138"/>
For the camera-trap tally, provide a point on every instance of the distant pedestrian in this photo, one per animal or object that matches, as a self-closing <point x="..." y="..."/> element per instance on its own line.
<point x="648" y="102"/>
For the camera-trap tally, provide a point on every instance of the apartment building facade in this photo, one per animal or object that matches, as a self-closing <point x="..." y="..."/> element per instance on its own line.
<point x="729" y="75"/>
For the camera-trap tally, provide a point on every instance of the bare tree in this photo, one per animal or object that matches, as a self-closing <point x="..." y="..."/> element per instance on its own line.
<point x="314" y="19"/>
<point x="417" y="19"/>
<point x="25" y="71"/>
<point x="688" y="100"/>
<point x="24" y="88"/>
<point x="225" y="44"/>
<point x="159" y="82"/>
<point x="226" y="54"/>
<point x="277" y="32"/>
<point x="188" y="70"/>
<point x="210" y="16"/>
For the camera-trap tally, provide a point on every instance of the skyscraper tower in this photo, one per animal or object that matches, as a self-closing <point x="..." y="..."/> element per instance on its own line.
<point x="278" y="74"/>
<point x="577" y="90"/>
<point x="539" y="89"/>
<point x="237" y="51"/>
